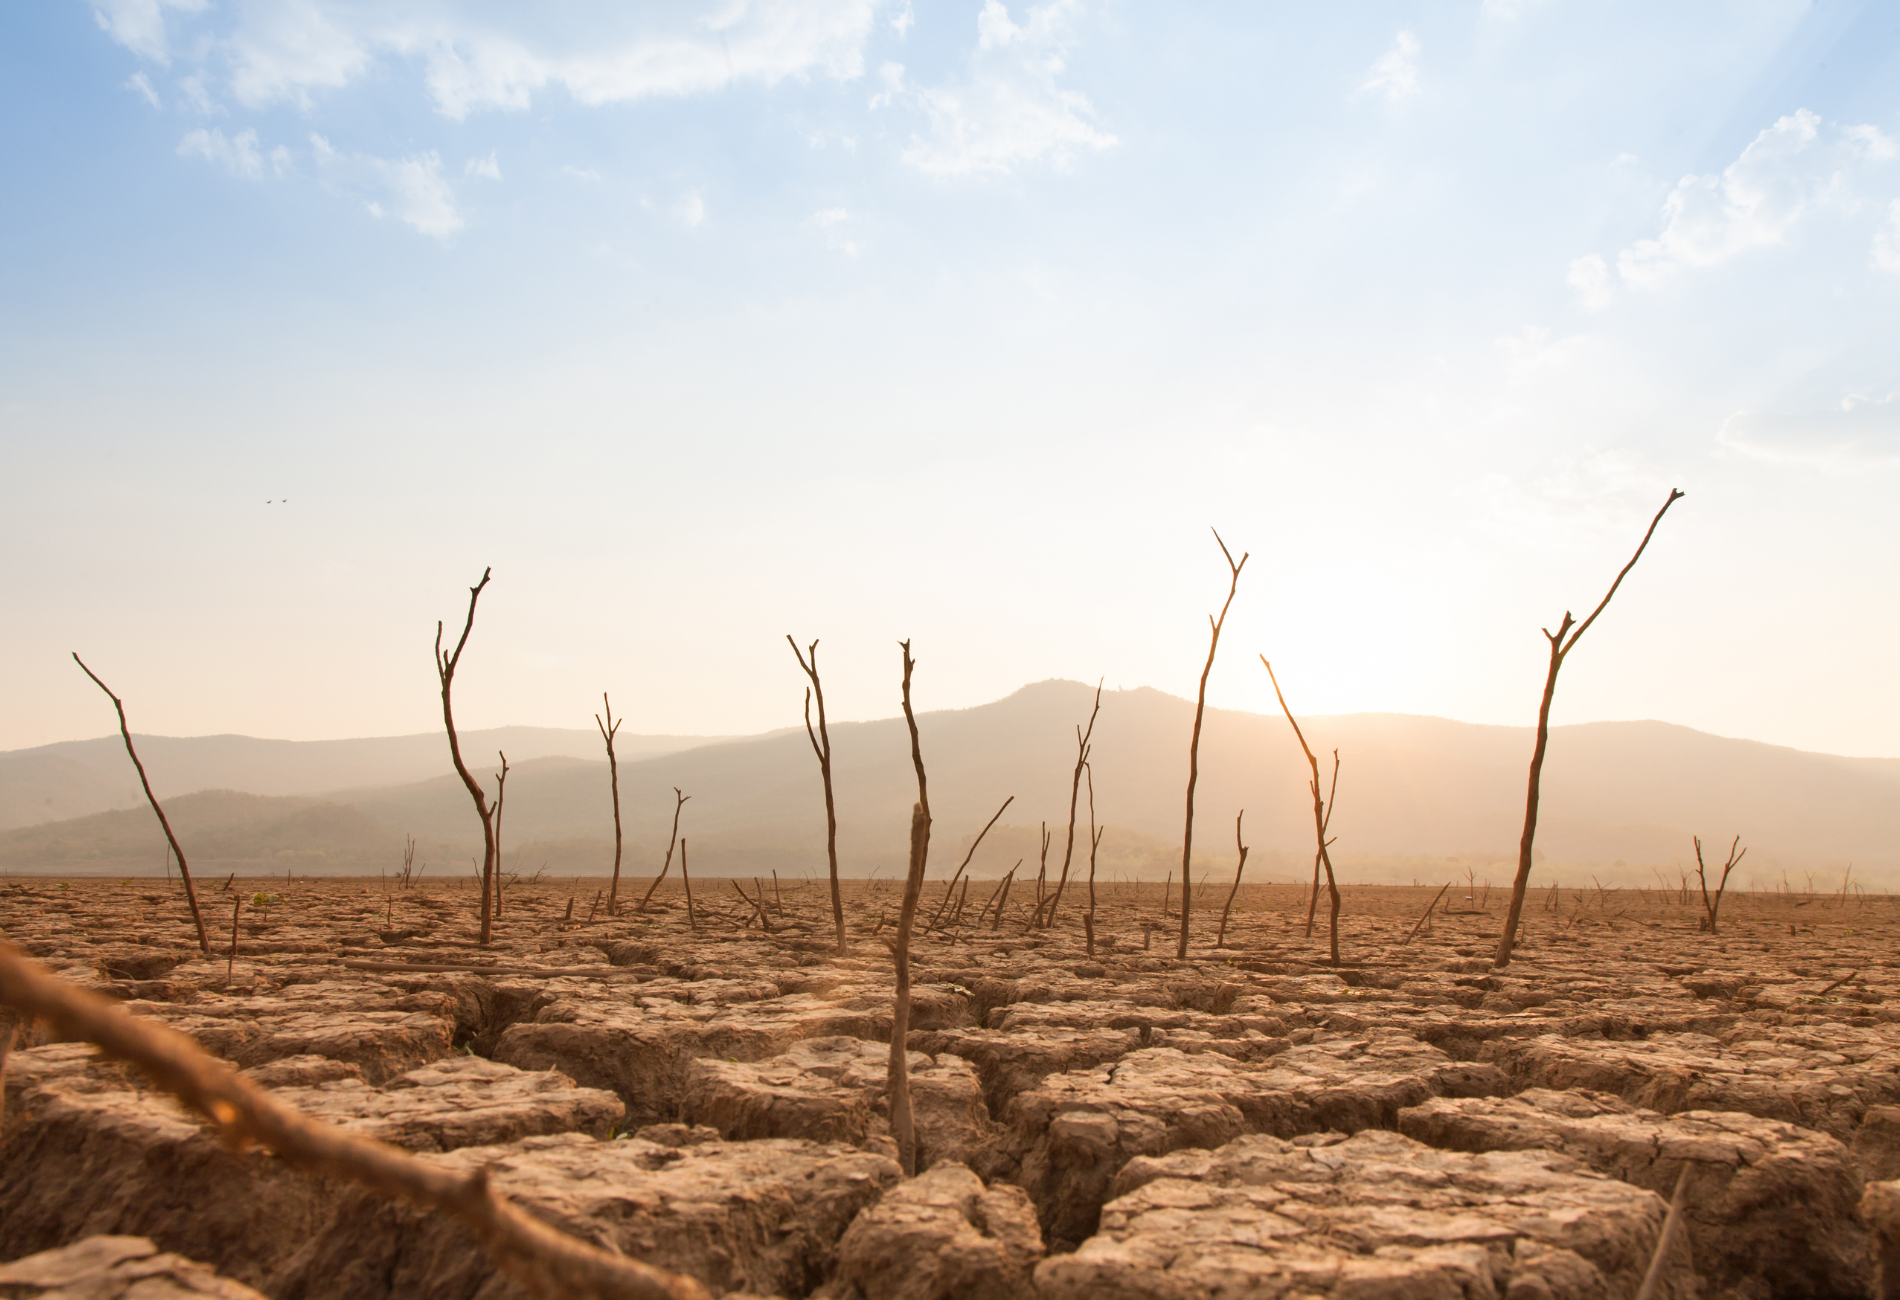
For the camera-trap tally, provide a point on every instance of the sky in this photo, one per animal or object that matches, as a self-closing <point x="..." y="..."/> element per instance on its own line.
<point x="964" y="322"/>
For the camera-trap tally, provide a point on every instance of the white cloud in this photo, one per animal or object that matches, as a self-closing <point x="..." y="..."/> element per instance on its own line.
<point x="1394" y="73"/>
<point x="903" y="20"/>
<point x="1590" y="277"/>
<point x="199" y="99"/>
<point x="237" y="155"/>
<point x="413" y="187"/>
<point x="1859" y="432"/>
<point x="484" y="167"/>
<point x="832" y="222"/>
<point x="584" y="173"/>
<point x="1791" y="168"/>
<point x="287" y="50"/>
<point x="1010" y="113"/>
<point x="1509" y="11"/>
<point x="892" y="75"/>
<point x="140" y="82"/>
<point x="139" y="25"/>
<point x="688" y="209"/>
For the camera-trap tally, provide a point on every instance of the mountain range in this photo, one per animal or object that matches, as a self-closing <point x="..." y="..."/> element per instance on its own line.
<point x="1418" y="797"/>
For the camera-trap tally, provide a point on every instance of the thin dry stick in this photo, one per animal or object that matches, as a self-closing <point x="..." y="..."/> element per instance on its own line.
<point x="1652" y="1279"/>
<point x="691" y="918"/>
<point x="903" y="1127"/>
<point x="1713" y="909"/>
<point x="994" y="894"/>
<point x="549" y="1262"/>
<point x="501" y="790"/>
<point x="966" y="862"/>
<point x="1221" y="940"/>
<point x="231" y="964"/>
<point x="184" y="872"/>
<point x="1095" y="842"/>
<point x="679" y="802"/>
<point x="1427" y="912"/>
<point x="608" y="730"/>
<point x="1836" y="984"/>
<point x="1194" y="745"/>
<point x="445" y="666"/>
<point x="1075" y="790"/>
<point x="1322" y="815"/>
<point x="1042" y="874"/>
<point x="821" y="746"/>
<point x="996" y="922"/>
<point x="1561" y="643"/>
<point x="1312" y="898"/>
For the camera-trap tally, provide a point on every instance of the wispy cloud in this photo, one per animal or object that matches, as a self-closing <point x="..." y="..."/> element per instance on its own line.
<point x="1861" y="432"/>
<point x="689" y="209"/>
<point x="1795" y="166"/>
<point x="832" y="222"/>
<point x="287" y="51"/>
<point x="1590" y="278"/>
<point x="140" y="82"/>
<point x="1394" y="74"/>
<point x="1010" y="112"/>
<point x="413" y="186"/>
<point x="238" y="154"/>
<point x="140" y="25"/>
<point x="486" y="168"/>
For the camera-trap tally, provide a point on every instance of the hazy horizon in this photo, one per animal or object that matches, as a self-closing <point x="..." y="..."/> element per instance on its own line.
<point x="861" y="320"/>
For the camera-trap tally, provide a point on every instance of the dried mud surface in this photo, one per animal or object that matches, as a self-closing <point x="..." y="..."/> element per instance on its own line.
<point x="1250" y="1122"/>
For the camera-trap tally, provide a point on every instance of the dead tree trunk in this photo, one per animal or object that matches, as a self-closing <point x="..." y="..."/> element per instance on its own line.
<point x="1322" y="818"/>
<point x="1713" y="909"/>
<point x="445" y="666"/>
<point x="692" y="917"/>
<point x="821" y="746"/>
<point x="1221" y="940"/>
<point x="903" y="1127"/>
<point x="1194" y="745"/>
<point x="501" y="791"/>
<point x="607" y="732"/>
<point x="1561" y="644"/>
<point x="184" y="872"/>
<point x="1075" y="790"/>
<point x="1095" y="842"/>
<point x="679" y="802"/>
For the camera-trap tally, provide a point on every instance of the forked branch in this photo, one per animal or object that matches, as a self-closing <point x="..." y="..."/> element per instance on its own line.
<point x="1712" y="908"/>
<point x="1194" y="744"/>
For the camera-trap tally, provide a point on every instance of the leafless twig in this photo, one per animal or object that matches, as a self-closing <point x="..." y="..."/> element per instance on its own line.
<point x="1561" y="643"/>
<point x="1221" y="940"/>
<point x="821" y="746"/>
<point x="679" y="802"/>
<point x="903" y="1126"/>
<point x="445" y="666"/>
<point x="608" y="730"/>
<point x="184" y="872"/>
<point x="1194" y="744"/>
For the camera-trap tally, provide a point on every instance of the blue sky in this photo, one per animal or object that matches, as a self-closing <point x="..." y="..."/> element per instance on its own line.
<point x="703" y="323"/>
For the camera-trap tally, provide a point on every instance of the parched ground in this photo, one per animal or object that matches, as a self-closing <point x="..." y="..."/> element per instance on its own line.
<point x="1249" y="1122"/>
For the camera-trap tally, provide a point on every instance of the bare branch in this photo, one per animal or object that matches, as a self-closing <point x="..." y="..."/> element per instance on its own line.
<point x="1194" y="744"/>
<point x="547" y="1261"/>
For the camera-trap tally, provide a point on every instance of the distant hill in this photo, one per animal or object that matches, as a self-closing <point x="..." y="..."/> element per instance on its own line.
<point x="1413" y="792"/>
<point x="75" y="777"/>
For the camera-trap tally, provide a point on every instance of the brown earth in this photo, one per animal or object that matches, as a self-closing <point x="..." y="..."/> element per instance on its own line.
<point x="1250" y="1122"/>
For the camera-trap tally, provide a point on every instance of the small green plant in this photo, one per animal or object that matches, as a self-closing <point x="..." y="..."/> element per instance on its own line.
<point x="64" y="885"/>
<point x="264" y="903"/>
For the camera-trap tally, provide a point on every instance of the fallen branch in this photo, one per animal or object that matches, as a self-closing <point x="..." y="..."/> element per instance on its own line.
<point x="1427" y="912"/>
<point x="549" y="1262"/>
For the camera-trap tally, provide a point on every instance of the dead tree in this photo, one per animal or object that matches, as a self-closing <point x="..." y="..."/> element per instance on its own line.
<point x="501" y="791"/>
<point x="1568" y="633"/>
<point x="445" y="666"/>
<point x="1194" y="745"/>
<point x="1221" y="940"/>
<point x="679" y="802"/>
<point x="1095" y="842"/>
<point x="608" y="730"/>
<point x="1042" y="874"/>
<point x="692" y="917"/>
<point x="903" y="1127"/>
<point x="952" y="887"/>
<point x="546" y="1261"/>
<point x="1075" y="790"/>
<point x="821" y="746"/>
<point x="184" y="872"/>
<point x="1713" y="909"/>
<point x="1322" y="818"/>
